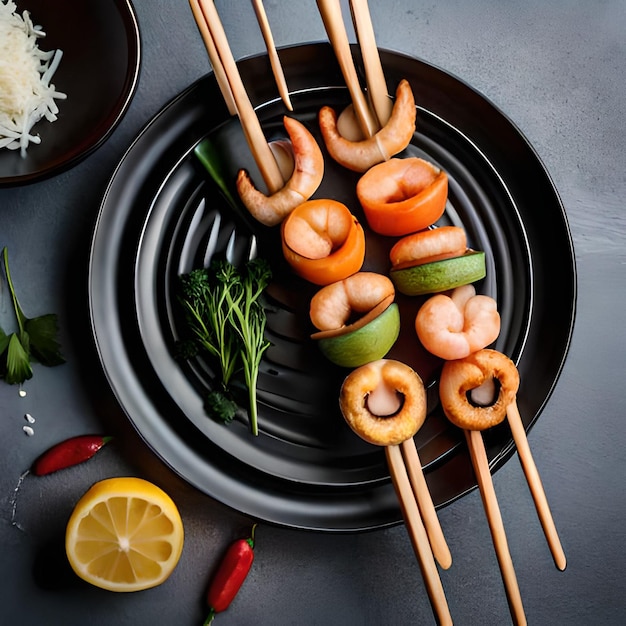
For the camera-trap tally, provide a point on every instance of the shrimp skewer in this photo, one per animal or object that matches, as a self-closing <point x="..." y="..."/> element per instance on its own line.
<point x="384" y="402"/>
<point x="210" y="26"/>
<point x="453" y="326"/>
<point x="333" y="305"/>
<point x="286" y="191"/>
<point x="330" y="11"/>
<point x="386" y="131"/>
<point x="535" y="485"/>
<point x="394" y="137"/>
<point x="368" y="113"/>
<point x="306" y="177"/>
<point x="457" y="378"/>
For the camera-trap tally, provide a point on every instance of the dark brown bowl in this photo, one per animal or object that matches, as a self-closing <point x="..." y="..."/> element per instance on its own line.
<point x="98" y="72"/>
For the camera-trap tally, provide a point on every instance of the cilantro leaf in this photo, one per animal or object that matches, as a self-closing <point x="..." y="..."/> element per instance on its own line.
<point x="4" y="344"/>
<point x="18" y="367"/>
<point x="219" y="406"/>
<point x="35" y="340"/>
<point x="4" y="341"/>
<point x="44" y="345"/>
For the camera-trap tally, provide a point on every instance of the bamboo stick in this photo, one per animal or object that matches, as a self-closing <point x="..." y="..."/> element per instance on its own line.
<point x="259" y="147"/>
<point x="438" y="543"/>
<point x="492" y="510"/>
<point x="418" y="536"/>
<point x="330" y="11"/>
<point x="277" y="68"/>
<point x="374" y="75"/>
<point x="214" y="57"/>
<point x="535" y="485"/>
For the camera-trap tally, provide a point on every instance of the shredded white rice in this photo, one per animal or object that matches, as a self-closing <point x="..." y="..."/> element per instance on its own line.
<point x="26" y="94"/>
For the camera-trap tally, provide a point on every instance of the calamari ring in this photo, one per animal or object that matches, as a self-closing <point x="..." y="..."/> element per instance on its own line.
<point x="398" y="378"/>
<point x="459" y="377"/>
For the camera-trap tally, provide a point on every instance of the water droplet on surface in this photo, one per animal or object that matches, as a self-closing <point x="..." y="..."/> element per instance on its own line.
<point x="13" y="500"/>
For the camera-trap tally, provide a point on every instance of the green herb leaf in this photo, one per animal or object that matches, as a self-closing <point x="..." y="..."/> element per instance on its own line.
<point x="4" y="341"/>
<point x="36" y="339"/>
<point x="4" y="344"/>
<point x="227" y="320"/>
<point x="204" y="300"/>
<point x="18" y="367"/>
<point x="220" y="407"/>
<point x="212" y="160"/>
<point x="44" y="346"/>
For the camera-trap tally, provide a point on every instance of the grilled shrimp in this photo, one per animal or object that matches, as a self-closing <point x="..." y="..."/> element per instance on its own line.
<point x="433" y="244"/>
<point x="317" y="228"/>
<point x="454" y="326"/>
<point x="306" y="177"/>
<point x="394" y="137"/>
<point x="333" y="305"/>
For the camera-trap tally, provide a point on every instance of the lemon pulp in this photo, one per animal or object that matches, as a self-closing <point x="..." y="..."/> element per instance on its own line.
<point x="125" y="534"/>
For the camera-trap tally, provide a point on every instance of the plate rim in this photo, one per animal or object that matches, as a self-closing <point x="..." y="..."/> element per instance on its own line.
<point x="496" y="461"/>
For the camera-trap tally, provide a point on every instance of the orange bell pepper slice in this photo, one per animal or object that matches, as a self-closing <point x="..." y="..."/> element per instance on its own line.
<point x="402" y="196"/>
<point x="322" y="241"/>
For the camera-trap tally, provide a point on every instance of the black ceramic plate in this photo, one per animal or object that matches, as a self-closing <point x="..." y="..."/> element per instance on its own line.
<point x="161" y="216"/>
<point x="98" y="72"/>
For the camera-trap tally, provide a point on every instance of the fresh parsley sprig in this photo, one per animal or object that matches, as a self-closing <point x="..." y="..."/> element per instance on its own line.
<point x="34" y="341"/>
<point x="227" y="320"/>
<point x="247" y="317"/>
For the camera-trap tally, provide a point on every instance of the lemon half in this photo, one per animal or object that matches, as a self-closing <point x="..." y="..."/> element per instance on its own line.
<point x="125" y="534"/>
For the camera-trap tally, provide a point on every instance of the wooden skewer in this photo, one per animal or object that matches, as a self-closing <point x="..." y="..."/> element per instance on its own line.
<point x="427" y="510"/>
<point x="535" y="485"/>
<point x="259" y="147"/>
<point x="485" y="483"/>
<point x="214" y="57"/>
<point x="376" y="83"/>
<point x="277" y="68"/>
<point x="417" y="533"/>
<point x="330" y="11"/>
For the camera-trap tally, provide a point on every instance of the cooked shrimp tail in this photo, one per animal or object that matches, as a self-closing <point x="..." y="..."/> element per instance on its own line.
<point x="453" y="327"/>
<point x="394" y="137"/>
<point x="333" y="305"/>
<point x="305" y="179"/>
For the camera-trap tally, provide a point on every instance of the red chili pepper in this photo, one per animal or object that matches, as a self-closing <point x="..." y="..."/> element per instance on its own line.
<point x="67" y="453"/>
<point x="230" y="575"/>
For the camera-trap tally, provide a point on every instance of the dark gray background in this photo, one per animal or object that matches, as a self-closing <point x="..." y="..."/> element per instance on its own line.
<point x="558" y="70"/>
